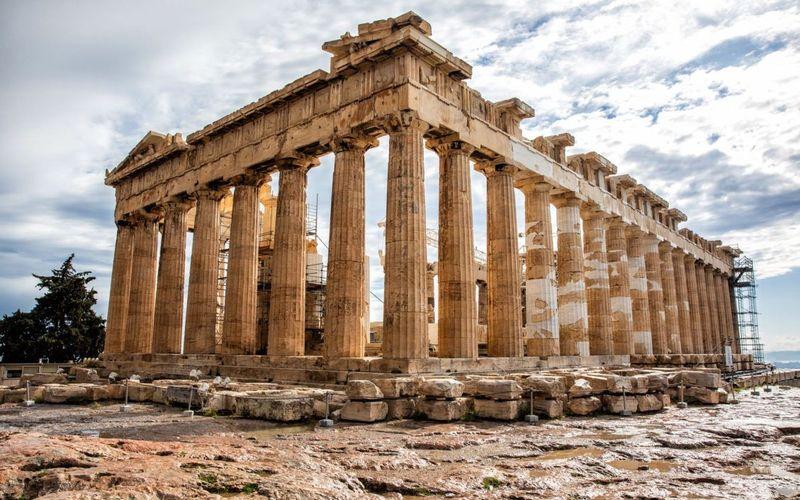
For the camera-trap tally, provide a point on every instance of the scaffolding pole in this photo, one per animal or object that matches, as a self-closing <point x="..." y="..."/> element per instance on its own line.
<point x="743" y="283"/>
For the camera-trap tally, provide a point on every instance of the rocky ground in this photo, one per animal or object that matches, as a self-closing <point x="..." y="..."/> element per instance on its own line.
<point x="732" y="451"/>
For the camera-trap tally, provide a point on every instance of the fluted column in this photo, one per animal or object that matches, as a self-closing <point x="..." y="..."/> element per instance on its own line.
<point x="682" y="300"/>
<point x="598" y="294"/>
<point x="672" y="328"/>
<point x="503" y="273"/>
<point x="655" y="295"/>
<point x="541" y="292"/>
<point x="725" y="335"/>
<point x="705" y="311"/>
<point x="619" y="287"/>
<point x="287" y="301"/>
<point x="119" y="294"/>
<point x="642" y="335"/>
<point x="458" y="315"/>
<point x="572" y="308"/>
<point x="141" y="309"/>
<point x="695" y="310"/>
<point x="239" y="323"/>
<point x="201" y="306"/>
<point x="344" y="295"/>
<point x="713" y="312"/>
<point x="405" y="328"/>
<point x="168" y="323"/>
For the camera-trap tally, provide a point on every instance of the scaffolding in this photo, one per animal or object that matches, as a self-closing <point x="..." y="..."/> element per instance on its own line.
<point x="743" y="284"/>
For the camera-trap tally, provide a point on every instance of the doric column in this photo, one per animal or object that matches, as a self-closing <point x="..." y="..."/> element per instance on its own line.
<point x="695" y="310"/>
<point x="705" y="312"/>
<point x="141" y="309"/>
<point x="119" y="294"/>
<point x="541" y="292"/>
<point x="713" y="312"/>
<point x="458" y="315"/>
<point x="287" y="300"/>
<point x="620" y="287"/>
<point x="642" y="335"/>
<point x="168" y="323"/>
<point x="655" y="295"/>
<point x="672" y="327"/>
<point x="726" y="338"/>
<point x="682" y="300"/>
<point x="201" y="306"/>
<point x="483" y="303"/>
<point x="239" y="323"/>
<point x="503" y="273"/>
<point x="734" y="317"/>
<point x="405" y="328"/>
<point x="572" y="308"/>
<point x="598" y="295"/>
<point x="344" y="299"/>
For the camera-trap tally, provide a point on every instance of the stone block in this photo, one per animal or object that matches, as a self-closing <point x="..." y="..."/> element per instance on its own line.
<point x="657" y="382"/>
<point x="443" y="410"/>
<point x="648" y="402"/>
<point x="363" y="390"/>
<point x="140" y="392"/>
<point x="700" y="378"/>
<point x="580" y="387"/>
<point x="723" y="395"/>
<point x="613" y="403"/>
<point x="401" y="408"/>
<point x="364" y="411"/>
<point x="543" y="385"/>
<point x="702" y="395"/>
<point x="441" y="388"/>
<point x="584" y="406"/>
<point x="400" y="387"/>
<point x="498" y="389"/>
<point x="640" y="383"/>
<point x="58" y="393"/>
<point x="14" y="396"/>
<point x="159" y="396"/>
<point x="290" y="409"/>
<point x="42" y="378"/>
<point x="617" y="384"/>
<point x="178" y="395"/>
<point x="115" y="391"/>
<point x="85" y="375"/>
<point x="96" y="392"/>
<point x="224" y="401"/>
<point x="497" y="409"/>
<point x="666" y="400"/>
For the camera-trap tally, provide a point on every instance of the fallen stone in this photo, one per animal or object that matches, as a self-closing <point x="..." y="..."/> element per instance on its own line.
<point x="400" y="387"/>
<point x="178" y="395"/>
<point x="702" y="395"/>
<point x="617" y="384"/>
<point x="96" y="392"/>
<point x="666" y="401"/>
<point x="115" y="391"/>
<point x="363" y="390"/>
<point x="545" y="386"/>
<point x="441" y="388"/>
<point x="550" y="408"/>
<point x="364" y="411"/>
<point x="648" y="402"/>
<point x="401" y="408"/>
<point x="640" y="383"/>
<point x="657" y="382"/>
<point x="42" y="378"/>
<point x="84" y="375"/>
<point x="723" y="395"/>
<point x="497" y="410"/>
<point x="613" y="403"/>
<point x="700" y="378"/>
<point x="224" y="401"/>
<point x="584" y="406"/>
<point x="140" y="392"/>
<point x="14" y="396"/>
<point x="498" y="389"/>
<point x="57" y="393"/>
<point x="443" y="410"/>
<point x="275" y="409"/>
<point x="580" y="388"/>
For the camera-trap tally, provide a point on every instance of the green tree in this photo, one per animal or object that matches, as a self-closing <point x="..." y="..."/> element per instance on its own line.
<point x="62" y="326"/>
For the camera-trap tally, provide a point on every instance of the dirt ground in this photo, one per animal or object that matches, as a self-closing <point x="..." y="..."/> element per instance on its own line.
<point x="749" y="450"/>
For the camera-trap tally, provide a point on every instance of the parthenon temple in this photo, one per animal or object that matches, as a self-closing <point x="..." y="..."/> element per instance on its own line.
<point x="620" y="283"/>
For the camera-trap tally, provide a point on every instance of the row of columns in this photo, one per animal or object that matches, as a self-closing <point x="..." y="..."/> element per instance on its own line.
<point x="611" y="289"/>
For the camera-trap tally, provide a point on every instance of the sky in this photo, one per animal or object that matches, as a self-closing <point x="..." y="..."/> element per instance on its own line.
<point x="697" y="100"/>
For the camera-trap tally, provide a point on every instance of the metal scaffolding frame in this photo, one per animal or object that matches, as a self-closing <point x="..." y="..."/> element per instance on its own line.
<point x="744" y="287"/>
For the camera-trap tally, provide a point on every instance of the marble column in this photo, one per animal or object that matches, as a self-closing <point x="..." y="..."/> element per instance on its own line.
<point x="503" y="271"/>
<point x="672" y="327"/>
<point x="619" y="287"/>
<point x="287" y="300"/>
<point x="713" y="312"/>
<point x="572" y="307"/>
<point x="682" y="299"/>
<point x="541" y="292"/>
<point x="642" y="335"/>
<point x="655" y="295"/>
<point x="598" y="294"/>
<point x="239" y="322"/>
<point x="483" y="303"/>
<point x="141" y="309"/>
<point x="120" y="288"/>
<point x="344" y="295"/>
<point x="168" y="323"/>
<point x="705" y="311"/>
<point x="405" y="322"/>
<point x="695" y="310"/>
<point x="201" y="303"/>
<point x="725" y="335"/>
<point x="458" y="314"/>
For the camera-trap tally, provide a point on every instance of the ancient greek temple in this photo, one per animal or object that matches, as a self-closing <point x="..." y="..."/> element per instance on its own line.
<point x="622" y="283"/>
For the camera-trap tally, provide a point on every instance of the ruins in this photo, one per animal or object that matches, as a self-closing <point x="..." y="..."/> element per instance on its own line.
<point x="624" y="284"/>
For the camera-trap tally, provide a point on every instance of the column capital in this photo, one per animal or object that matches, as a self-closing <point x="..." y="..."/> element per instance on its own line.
<point x="402" y="120"/>
<point x="617" y="221"/>
<point x="634" y="231"/>
<point x="352" y="142"/>
<point x="568" y="199"/>
<point x="142" y="215"/>
<point x="590" y="210"/>
<point x="177" y="204"/>
<point x="665" y="247"/>
<point x="450" y="144"/>
<point x="296" y="161"/>
<point x="250" y="178"/>
<point x="534" y="184"/>
<point x="689" y="258"/>
<point x="215" y="193"/>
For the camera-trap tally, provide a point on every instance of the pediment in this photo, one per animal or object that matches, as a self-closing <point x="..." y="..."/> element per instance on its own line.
<point x="154" y="146"/>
